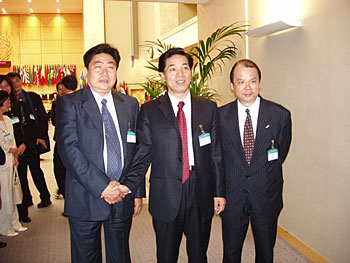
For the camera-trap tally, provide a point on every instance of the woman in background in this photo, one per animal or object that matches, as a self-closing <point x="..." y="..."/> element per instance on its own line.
<point x="24" y="128"/>
<point x="9" y="220"/>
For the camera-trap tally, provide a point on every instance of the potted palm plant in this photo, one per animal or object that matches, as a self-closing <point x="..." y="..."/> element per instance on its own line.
<point x="209" y="55"/>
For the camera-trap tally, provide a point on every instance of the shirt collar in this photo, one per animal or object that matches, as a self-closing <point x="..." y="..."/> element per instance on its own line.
<point x="175" y="101"/>
<point x="99" y="98"/>
<point x="254" y="107"/>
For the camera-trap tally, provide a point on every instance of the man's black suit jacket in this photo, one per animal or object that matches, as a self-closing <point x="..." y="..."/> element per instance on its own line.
<point x="38" y="109"/>
<point x="262" y="180"/>
<point x="79" y="132"/>
<point x="159" y="143"/>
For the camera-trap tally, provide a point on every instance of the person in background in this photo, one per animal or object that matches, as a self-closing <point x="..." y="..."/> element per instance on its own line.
<point x="2" y="244"/>
<point x="67" y="85"/>
<point x="32" y="158"/>
<point x="58" y="167"/>
<point x="256" y="136"/>
<point x="9" y="220"/>
<point x="24" y="128"/>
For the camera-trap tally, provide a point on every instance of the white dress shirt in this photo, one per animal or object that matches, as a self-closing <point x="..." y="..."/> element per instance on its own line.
<point x="242" y="115"/>
<point x="187" y="110"/>
<point x="113" y="112"/>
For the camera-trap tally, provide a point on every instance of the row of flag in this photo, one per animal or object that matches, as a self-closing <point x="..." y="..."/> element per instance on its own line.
<point x="43" y="74"/>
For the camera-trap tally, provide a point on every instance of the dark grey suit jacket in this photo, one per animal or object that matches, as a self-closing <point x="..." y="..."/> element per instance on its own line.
<point x="79" y="131"/>
<point x="159" y="143"/>
<point x="262" y="180"/>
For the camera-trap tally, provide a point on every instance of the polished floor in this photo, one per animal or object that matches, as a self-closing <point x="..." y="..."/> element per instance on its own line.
<point x="47" y="239"/>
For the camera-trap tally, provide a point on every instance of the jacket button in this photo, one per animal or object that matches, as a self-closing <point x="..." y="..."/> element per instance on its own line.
<point x="180" y="179"/>
<point x="245" y="191"/>
<point x="179" y="159"/>
<point x="248" y="175"/>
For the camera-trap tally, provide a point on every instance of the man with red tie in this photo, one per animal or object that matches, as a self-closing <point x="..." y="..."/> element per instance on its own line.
<point x="179" y="135"/>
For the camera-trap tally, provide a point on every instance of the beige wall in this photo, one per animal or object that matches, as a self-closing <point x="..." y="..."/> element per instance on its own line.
<point x="94" y="23"/>
<point x="118" y="34"/>
<point x="186" y="12"/>
<point x="306" y="70"/>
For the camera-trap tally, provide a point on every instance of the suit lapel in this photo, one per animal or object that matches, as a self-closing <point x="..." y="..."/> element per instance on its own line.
<point x="122" y="119"/>
<point x="263" y="129"/>
<point x="90" y="106"/>
<point x="167" y="109"/>
<point x="232" y="119"/>
<point x="196" y="111"/>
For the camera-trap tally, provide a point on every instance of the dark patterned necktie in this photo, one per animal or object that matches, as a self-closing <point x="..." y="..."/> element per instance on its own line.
<point x="181" y="120"/>
<point x="114" y="159"/>
<point x="248" y="138"/>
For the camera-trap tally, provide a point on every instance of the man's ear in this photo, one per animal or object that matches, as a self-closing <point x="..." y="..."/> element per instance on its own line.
<point x="232" y="87"/>
<point x="163" y="76"/>
<point x="85" y="71"/>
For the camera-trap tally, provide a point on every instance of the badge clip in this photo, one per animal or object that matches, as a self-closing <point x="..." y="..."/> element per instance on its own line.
<point x="131" y="136"/>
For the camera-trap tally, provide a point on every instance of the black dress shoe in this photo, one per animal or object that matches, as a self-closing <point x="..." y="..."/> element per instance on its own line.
<point x="45" y="203"/>
<point x="3" y="244"/>
<point x="25" y="219"/>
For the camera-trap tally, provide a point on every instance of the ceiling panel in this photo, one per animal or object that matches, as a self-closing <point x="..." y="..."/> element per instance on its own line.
<point x="42" y="6"/>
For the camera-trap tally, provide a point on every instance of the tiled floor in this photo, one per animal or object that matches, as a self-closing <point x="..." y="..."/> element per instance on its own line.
<point x="47" y="239"/>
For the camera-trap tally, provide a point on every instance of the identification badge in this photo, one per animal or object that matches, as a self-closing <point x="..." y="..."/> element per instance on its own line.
<point x="7" y="137"/>
<point x="272" y="154"/>
<point x="131" y="137"/>
<point x="204" y="138"/>
<point x="15" y="120"/>
<point x="31" y="116"/>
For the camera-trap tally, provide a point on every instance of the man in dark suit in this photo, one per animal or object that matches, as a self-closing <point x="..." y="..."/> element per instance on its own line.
<point x="31" y="157"/>
<point x="68" y="85"/>
<point x="256" y="138"/>
<point x="179" y="134"/>
<point x="95" y="138"/>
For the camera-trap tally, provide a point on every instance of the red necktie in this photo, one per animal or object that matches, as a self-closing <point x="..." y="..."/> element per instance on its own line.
<point x="248" y="138"/>
<point x="181" y="120"/>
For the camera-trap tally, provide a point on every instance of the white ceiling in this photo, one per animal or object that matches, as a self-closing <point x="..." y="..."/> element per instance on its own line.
<point x="65" y="6"/>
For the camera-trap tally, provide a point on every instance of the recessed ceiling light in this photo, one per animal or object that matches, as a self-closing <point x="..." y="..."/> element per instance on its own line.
<point x="57" y="1"/>
<point x="29" y="1"/>
<point x="58" y="10"/>
<point x="31" y="10"/>
<point x="3" y="11"/>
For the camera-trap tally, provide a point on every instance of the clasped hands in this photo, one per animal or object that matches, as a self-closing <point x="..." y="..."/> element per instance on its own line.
<point x="114" y="192"/>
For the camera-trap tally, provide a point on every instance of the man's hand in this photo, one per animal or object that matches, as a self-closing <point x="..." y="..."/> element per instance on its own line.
<point x="42" y="142"/>
<point x="123" y="188"/>
<point x="137" y="206"/>
<point x="21" y="149"/>
<point x="15" y="161"/>
<point x="112" y="194"/>
<point x="219" y="204"/>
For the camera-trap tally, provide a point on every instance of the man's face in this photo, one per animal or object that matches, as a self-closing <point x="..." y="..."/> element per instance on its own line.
<point x="60" y="90"/>
<point x="246" y="84"/>
<point x="177" y="75"/>
<point x="102" y="73"/>
<point x="17" y="85"/>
